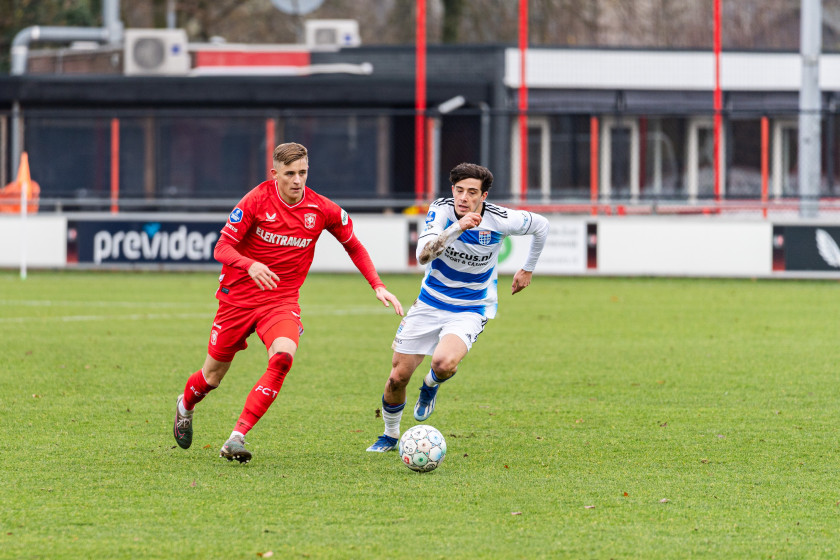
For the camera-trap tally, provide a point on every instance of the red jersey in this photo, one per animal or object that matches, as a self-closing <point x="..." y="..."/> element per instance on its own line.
<point x="264" y="228"/>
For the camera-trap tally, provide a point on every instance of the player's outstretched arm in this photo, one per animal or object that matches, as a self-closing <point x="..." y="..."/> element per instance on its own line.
<point x="361" y="258"/>
<point x="537" y="226"/>
<point x="521" y="280"/>
<point x="388" y="299"/>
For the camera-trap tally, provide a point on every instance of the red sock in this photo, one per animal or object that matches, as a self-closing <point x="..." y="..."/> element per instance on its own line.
<point x="265" y="391"/>
<point x="196" y="389"/>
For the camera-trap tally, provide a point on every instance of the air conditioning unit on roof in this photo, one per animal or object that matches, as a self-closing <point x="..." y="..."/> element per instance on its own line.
<point x="330" y="33"/>
<point x="155" y="52"/>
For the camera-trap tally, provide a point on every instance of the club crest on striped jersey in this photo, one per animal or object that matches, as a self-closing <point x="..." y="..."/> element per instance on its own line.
<point x="309" y="220"/>
<point x="484" y="237"/>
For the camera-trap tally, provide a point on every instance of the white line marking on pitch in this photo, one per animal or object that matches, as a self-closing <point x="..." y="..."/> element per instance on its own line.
<point x="373" y="310"/>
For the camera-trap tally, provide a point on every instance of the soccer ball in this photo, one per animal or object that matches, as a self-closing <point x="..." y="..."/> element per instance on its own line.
<point x="422" y="448"/>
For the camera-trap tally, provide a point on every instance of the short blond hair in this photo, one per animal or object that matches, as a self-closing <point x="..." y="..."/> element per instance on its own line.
<point x="289" y="152"/>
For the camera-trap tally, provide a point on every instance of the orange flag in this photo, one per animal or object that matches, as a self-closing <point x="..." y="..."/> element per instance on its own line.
<point x="10" y="194"/>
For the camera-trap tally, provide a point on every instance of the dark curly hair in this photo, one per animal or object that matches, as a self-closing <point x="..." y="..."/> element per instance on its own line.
<point x="472" y="171"/>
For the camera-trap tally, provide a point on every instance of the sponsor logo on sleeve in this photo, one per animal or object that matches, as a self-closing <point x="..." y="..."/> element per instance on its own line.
<point x="430" y="216"/>
<point x="235" y="216"/>
<point x="344" y="217"/>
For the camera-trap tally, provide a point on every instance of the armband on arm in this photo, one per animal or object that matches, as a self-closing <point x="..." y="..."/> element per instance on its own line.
<point x="434" y="248"/>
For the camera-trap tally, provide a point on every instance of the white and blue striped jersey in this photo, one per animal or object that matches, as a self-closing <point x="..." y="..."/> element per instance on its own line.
<point x="463" y="277"/>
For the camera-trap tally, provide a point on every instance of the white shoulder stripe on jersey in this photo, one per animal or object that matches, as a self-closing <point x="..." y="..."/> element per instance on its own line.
<point x="231" y="236"/>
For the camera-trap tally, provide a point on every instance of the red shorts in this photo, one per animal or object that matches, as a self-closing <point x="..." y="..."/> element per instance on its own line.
<point x="233" y="325"/>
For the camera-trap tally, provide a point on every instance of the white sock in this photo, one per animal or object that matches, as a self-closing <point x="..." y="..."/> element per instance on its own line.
<point x="431" y="379"/>
<point x="183" y="411"/>
<point x="234" y="433"/>
<point x="392" y="419"/>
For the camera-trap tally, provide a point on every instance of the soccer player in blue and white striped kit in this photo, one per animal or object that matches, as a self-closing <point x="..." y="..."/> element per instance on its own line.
<point x="460" y="249"/>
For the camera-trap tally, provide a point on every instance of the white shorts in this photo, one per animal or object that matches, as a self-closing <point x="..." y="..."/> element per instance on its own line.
<point x="423" y="327"/>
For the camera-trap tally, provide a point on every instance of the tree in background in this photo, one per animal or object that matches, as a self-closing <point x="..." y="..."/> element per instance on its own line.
<point x="19" y="14"/>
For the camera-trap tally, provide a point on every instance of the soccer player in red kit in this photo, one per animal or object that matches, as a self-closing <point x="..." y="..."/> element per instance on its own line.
<point x="266" y="249"/>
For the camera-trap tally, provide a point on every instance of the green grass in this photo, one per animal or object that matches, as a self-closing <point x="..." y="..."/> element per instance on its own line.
<point x="581" y="408"/>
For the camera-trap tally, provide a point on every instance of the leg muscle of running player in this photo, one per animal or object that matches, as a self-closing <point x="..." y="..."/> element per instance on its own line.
<point x="281" y="353"/>
<point x="448" y="354"/>
<point x="214" y="370"/>
<point x="402" y="367"/>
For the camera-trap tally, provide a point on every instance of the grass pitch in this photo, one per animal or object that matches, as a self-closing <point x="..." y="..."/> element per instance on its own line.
<point x="595" y="418"/>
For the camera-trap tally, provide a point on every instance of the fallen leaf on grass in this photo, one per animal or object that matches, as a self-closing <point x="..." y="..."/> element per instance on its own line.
<point x="663" y="425"/>
<point x="29" y="352"/>
<point x="664" y="501"/>
<point x="626" y="494"/>
<point x="579" y="421"/>
<point x="267" y="554"/>
<point x="507" y="467"/>
<point x="192" y="484"/>
<point x="704" y="461"/>
<point x="206" y="446"/>
<point x="516" y="513"/>
<point x="588" y="507"/>
<point x="36" y="396"/>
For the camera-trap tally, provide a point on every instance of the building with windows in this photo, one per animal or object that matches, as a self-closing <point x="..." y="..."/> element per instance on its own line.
<point x="630" y="128"/>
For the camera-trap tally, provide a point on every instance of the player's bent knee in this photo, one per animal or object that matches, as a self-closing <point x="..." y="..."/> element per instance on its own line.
<point x="444" y="368"/>
<point x="397" y="383"/>
<point x="282" y="361"/>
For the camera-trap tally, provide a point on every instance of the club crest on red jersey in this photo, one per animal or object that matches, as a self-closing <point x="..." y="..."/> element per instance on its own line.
<point x="309" y="220"/>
